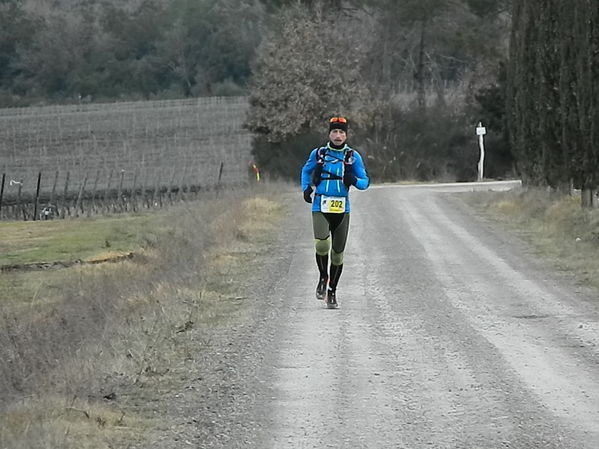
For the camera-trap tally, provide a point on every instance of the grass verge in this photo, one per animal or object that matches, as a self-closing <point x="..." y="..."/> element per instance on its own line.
<point x="72" y="339"/>
<point x="554" y="224"/>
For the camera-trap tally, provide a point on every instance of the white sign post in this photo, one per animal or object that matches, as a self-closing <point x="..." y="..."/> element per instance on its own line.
<point x="480" y="132"/>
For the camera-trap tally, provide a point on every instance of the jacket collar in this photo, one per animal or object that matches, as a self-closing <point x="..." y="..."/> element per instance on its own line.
<point x="330" y="146"/>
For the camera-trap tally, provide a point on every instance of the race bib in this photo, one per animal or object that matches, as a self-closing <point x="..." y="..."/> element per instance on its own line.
<point x="332" y="204"/>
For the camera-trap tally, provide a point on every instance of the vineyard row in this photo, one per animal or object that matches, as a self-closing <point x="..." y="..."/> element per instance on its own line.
<point x="98" y="195"/>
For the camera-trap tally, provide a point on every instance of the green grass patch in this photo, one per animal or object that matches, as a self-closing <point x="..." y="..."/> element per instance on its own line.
<point x="71" y="240"/>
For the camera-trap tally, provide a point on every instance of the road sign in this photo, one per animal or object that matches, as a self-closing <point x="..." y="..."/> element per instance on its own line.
<point x="480" y="132"/>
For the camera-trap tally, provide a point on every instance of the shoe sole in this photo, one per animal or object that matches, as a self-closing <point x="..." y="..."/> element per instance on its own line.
<point x="332" y="306"/>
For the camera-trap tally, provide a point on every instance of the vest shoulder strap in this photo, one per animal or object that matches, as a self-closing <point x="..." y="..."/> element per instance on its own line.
<point x="349" y="157"/>
<point x="320" y="155"/>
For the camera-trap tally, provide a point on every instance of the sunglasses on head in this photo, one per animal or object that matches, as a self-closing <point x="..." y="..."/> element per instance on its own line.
<point x="338" y="120"/>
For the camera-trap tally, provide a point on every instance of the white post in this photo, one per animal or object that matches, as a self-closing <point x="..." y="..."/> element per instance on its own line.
<point x="480" y="132"/>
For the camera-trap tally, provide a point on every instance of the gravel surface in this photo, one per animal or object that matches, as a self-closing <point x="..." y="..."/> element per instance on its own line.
<point x="450" y="334"/>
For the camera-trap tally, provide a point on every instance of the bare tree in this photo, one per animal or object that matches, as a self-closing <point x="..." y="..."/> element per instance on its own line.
<point x="306" y="69"/>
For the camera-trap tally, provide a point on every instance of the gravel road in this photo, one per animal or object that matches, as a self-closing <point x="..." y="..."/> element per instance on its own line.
<point x="450" y="334"/>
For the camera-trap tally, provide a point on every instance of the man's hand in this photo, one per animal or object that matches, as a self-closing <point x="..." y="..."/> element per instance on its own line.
<point x="307" y="194"/>
<point x="349" y="178"/>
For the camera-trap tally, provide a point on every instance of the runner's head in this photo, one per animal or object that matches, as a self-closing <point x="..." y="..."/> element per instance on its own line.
<point x="338" y="130"/>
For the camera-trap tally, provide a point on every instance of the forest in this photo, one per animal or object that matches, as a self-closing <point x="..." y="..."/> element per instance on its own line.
<point x="414" y="77"/>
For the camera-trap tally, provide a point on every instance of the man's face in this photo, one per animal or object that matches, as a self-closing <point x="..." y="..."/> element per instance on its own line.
<point x="337" y="136"/>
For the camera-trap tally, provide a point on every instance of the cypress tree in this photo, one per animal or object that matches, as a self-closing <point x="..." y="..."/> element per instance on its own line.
<point x="586" y="37"/>
<point x="552" y="98"/>
<point x="523" y="91"/>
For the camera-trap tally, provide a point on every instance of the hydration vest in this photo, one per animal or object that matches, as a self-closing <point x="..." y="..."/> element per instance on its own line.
<point x="322" y="152"/>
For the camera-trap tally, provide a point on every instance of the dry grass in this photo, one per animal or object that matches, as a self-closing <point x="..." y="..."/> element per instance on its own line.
<point x="556" y="225"/>
<point x="66" y="352"/>
<point x="69" y="423"/>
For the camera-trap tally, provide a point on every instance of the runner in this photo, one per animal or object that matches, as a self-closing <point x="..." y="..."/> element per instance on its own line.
<point x="332" y="170"/>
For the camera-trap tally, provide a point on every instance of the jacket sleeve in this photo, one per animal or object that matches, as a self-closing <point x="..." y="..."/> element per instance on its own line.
<point x="309" y="166"/>
<point x="362" y="179"/>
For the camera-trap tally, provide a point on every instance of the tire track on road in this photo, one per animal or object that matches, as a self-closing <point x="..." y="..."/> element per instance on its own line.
<point x="495" y="297"/>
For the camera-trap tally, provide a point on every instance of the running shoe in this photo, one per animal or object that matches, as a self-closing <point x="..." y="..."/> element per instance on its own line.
<point x="332" y="299"/>
<point x="321" y="288"/>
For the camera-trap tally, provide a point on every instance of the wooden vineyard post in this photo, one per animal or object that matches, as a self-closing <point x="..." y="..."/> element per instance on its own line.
<point x="2" y="192"/>
<point x="65" y="194"/>
<point x="119" y="199"/>
<point x="144" y="176"/>
<point x="181" y="184"/>
<point x="220" y="173"/>
<point x="52" y="195"/>
<point x="106" y="192"/>
<point x="92" y="207"/>
<point x="80" y="195"/>
<point x="19" y="207"/>
<point x="133" y="195"/>
<point x="37" y="195"/>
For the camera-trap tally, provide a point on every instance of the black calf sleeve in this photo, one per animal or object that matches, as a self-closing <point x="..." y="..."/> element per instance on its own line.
<point x="322" y="262"/>
<point x="335" y="275"/>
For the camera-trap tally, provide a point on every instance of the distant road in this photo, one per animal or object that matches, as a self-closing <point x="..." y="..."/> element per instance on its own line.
<point x="497" y="186"/>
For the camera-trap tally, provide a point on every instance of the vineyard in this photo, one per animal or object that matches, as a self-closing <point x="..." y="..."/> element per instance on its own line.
<point x="88" y="158"/>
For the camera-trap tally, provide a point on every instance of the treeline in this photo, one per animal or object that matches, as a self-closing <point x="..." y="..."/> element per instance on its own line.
<point x="66" y="50"/>
<point x="553" y="95"/>
<point x="72" y="50"/>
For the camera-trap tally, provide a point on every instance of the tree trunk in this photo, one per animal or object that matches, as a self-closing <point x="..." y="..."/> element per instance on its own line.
<point x="421" y="94"/>
<point x="588" y="197"/>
